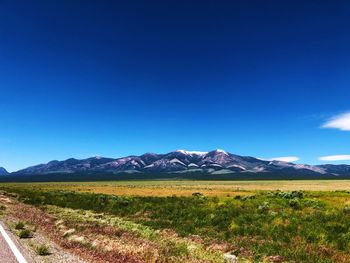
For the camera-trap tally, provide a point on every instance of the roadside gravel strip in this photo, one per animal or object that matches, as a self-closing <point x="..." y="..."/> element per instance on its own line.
<point x="9" y="253"/>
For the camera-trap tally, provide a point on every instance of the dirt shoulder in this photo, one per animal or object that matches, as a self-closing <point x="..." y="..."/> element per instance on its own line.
<point x="37" y="238"/>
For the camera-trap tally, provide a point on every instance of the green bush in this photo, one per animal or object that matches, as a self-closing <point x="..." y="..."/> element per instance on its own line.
<point x="176" y="249"/>
<point x="294" y="203"/>
<point x="42" y="250"/>
<point x="197" y="194"/>
<point x="346" y="210"/>
<point x="25" y="233"/>
<point x="19" y="225"/>
<point x="289" y="195"/>
<point x="264" y="208"/>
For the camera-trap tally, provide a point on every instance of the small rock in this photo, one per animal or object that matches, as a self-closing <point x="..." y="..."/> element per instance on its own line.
<point x="230" y="258"/>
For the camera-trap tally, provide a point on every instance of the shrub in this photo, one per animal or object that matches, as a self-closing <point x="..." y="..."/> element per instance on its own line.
<point x="346" y="210"/>
<point x="248" y="197"/>
<point x="42" y="250"/>
<point x="237" y="197"/>
<point x="294" y="203"/>
<point x="290" y="195"/>
<point x="264" y="208"/>
<point x="19" y="225"/>
<point x="176" y="249"/>
<point x="25" y="233"/>
<point x="314" y="204"/>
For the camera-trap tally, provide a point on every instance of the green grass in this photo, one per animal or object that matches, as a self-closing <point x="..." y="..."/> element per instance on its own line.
<point x="42" y="250"/>
<point x="19" y="225"/>
<point x="25" y="233"/>
<point x="300" y="226"/>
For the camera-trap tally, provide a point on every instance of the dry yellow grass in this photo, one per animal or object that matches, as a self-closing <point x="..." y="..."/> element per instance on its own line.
<point x="160" y="191"/>
<point x="186" y="188"/>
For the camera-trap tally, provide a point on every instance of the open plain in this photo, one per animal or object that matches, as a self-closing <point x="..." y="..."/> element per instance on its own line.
<point x="186" y="221"/>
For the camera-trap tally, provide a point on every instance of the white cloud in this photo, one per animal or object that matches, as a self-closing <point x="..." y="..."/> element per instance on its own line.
<point x="333" y="158"/>
<point x="288" y="159"/>
<point x="341" y="122"/>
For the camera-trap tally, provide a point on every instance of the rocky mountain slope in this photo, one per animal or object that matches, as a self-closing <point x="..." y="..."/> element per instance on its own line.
<point x="3" y="171"/>
<point x="181" y="161"/>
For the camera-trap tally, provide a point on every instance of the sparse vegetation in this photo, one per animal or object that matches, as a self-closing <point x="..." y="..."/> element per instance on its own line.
<point x="25" y="233"/>
<point x="42" y="250"/>
<point x="187" y="188"/>
<point x="298" y="226"/>
<point x="19" y="225"/>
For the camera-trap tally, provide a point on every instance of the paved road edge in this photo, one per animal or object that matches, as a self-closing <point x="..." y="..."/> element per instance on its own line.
<point x="12" y="246"/>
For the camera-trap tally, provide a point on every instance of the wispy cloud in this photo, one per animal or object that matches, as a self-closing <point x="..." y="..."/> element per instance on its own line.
<point x="288" y="159"/>
<point x="341" y="122"/>
<point x="334" y="158"/>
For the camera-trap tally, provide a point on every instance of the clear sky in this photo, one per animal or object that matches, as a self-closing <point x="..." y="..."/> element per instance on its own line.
<point x="114" y="78"/>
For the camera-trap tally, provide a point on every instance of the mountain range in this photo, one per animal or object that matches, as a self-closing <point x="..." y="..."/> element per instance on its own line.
<point x="3" y="171"/>
<point x="182" y="163"/>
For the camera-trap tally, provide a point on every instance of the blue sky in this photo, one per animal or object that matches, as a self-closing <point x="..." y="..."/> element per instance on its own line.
<point x="113" y="78"/>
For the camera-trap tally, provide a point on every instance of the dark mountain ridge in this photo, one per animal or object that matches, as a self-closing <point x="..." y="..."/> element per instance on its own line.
<point x="3" y="171"/>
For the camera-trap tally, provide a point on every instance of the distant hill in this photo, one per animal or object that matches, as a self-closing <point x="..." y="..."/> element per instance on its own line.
<point x="3" y="171"/>
<point x="217" y="164"/>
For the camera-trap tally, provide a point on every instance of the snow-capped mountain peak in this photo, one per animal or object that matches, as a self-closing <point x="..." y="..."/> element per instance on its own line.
<point x="192" y="152"/>
<point x="221" y="151"/>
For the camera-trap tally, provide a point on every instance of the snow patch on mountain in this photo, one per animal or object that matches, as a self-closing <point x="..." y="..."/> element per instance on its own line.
<point x="149" y="166"/>
<point x="191" y="152"/>
<point x="177" y="161"/>
<point x="236" y="166"/>
<point x="221" y="151"/>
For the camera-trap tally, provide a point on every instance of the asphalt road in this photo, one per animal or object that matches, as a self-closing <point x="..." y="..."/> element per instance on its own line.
<point x="9" y="252"/>
<point x="6" y="255"/>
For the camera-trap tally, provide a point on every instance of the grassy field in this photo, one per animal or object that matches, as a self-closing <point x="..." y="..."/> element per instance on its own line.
<point x="186" y="188"/>
<point x="200" y="221"/>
